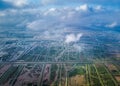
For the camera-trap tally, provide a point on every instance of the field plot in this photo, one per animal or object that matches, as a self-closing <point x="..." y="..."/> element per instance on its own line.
<point x="93" y="77"/>
<point x="29" y="75"/>
<point x="105" y="75"/>
<point x="77" y="76"/>
<point x="53" y="74"/>
<point x="10" y="76"/>
<point x="115" y="70"/>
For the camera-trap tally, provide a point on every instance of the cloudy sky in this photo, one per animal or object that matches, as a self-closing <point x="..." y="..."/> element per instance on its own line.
<point x="54" y="18"/>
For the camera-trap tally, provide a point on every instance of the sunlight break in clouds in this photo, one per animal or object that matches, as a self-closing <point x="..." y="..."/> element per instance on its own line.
<point x="72" y="38"/>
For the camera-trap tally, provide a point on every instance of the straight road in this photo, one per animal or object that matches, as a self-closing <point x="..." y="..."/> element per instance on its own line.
<point x="60" y="62"/>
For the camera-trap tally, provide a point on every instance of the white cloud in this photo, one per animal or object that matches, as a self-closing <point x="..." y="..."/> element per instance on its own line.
<point x="72" y="38"/>
<point x="17" y="3"/>
<point x="51" y="11"/>
<point x="78" y="47"/>
<point x="83" y="7"/>
<point x="112" y="25"/>
<point x="35" y="25"/>
<point x="52" y="21"/>
<point x="87" y="8"/>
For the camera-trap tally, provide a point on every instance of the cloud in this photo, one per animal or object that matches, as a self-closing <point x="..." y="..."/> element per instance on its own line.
<point x="49" y="22"/>
<point x="46" y="2"/>
<point x="55" y="19"/>
<point x="98" y="7"/>
<point x="35" y="25"/>
<point x="78" y="47"/>
<point x="83" y="7"/>
<point x="51" y="11"/>
<point x="112" y="25"/>
<point x="2" y="14"/>
<point x="89" y="8"/>
<point x="72" y="38"/>
<point x="17" y="3"/>
<point x="52" y="21"/>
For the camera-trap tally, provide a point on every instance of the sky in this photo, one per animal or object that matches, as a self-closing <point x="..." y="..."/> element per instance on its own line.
<point x="53" y="18"/>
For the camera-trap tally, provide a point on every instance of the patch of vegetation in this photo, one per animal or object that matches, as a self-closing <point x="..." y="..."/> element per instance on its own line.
<point x="76" y="71"/>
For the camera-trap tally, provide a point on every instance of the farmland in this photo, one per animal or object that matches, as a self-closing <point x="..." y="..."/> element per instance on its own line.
<point x="32" y="62"/>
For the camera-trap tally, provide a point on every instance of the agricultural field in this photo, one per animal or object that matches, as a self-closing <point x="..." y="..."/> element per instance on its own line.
<point x="53" y="63"/>
<point x="70" y="74"/>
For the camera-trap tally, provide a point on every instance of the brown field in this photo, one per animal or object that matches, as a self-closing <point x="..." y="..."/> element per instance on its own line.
<point x="26" y="77"/>
<point x="117" y="78"/>
<point x="78" y="80"/>
<point x="111" y="67"/>
<point x="63" y="82"/>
